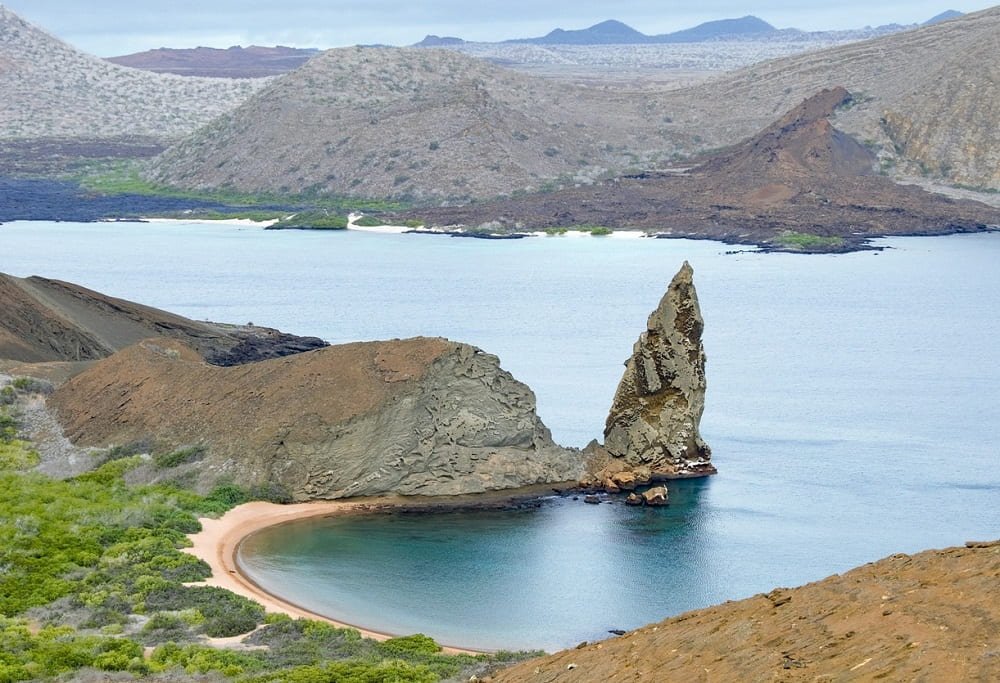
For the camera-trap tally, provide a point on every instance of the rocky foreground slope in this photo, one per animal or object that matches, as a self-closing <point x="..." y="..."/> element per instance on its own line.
<point x="51" y="90"/>
<point x="49" y="320"/>
<point x="933" y="616"/>
<point x="798" y="176"/>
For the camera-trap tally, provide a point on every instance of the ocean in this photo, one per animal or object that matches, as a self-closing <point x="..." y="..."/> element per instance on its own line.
<point x="853" y="409"/>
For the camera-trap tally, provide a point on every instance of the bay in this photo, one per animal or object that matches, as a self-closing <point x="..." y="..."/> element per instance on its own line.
<point x="853" y="409"/>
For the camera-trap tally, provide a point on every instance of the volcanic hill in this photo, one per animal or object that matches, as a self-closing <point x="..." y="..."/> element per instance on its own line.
<point x="235" y="62"/>
<point x="933" y="616"/>
<point x="52" y="90"/>
<point x="46" y="320"/>
<point x="798" y="177"/>
<point x="926" y="99"/>
<point x="413" y="122"/>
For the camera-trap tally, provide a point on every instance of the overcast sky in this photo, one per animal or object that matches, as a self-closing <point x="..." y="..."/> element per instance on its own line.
<point x="114" y="27"/>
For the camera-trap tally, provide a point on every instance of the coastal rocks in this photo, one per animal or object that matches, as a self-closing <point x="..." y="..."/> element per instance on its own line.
<point x="652" y="428"/>
<point x="422" y="416"/>
<point x="656" y="496"/>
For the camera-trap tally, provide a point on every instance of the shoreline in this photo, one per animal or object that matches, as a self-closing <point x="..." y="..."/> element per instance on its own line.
<point x="219" y="540"/>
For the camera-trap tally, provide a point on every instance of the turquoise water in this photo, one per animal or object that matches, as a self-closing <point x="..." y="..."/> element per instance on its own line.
<point x="853" y="409"/>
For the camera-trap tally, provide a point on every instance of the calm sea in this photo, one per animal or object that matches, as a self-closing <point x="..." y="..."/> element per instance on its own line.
<point x="853" y="408"/>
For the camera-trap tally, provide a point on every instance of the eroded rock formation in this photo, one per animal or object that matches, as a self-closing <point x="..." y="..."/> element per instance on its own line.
<point x="418" y="416"/>
<point x="652" y="429"/>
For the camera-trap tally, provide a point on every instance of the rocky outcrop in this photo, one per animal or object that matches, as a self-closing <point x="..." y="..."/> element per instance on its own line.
<point x="652" y="429"/>
<point x="927" y="616"/>
<point x="412" y="417"/>
<point x="50" y="320"/>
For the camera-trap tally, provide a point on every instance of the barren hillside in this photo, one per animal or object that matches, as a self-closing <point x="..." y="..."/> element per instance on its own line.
<point x="934" y="616"/>
<point x="50" y="89"/>
<point x="419" y="123"/>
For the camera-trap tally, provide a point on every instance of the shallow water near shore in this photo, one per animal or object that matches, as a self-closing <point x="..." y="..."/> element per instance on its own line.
<point x="853" y="409"/>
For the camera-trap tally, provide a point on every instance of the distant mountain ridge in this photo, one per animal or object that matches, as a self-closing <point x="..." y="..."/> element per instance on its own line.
<point x="614" y="32"/>
<point x="235" y="62"/>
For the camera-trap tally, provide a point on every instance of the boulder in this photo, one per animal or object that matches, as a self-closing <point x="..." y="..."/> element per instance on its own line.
<point x="625" y="481"/>
<point x="657" y="495"/>
<point x="635" y="499"/>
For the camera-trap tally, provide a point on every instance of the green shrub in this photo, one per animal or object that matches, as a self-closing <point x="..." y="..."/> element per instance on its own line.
<point x="31" y="385"/>
<point x="312" y="220"/>
<point x="808" y="242"/>
<point x="226" y="614"/>
<point x="179" y="457"/>
<point x="417" y="644"/>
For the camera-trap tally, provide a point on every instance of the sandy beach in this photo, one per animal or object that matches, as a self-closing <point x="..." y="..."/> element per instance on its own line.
<point x="245" y="222"/>
<point x="219" y="540"/>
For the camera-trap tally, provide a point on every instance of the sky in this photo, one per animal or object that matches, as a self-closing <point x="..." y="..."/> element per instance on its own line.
<point x="116" y="27"/>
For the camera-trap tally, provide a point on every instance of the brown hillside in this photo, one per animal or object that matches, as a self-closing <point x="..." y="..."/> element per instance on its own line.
<point x="933" y="616"/>
<point x="49" y="320"/>
<point x="235" y="62"/>
<point x="798" y="175"/>
<point x="935" y="86"/>
<point x="417" y="416"/>
<point x="52" y="90"/>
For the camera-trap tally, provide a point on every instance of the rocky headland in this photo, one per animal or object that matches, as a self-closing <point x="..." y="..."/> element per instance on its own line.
<point x="933" y="616"/>
<point x="415" y="417"/>
<point x="296" y="419"/>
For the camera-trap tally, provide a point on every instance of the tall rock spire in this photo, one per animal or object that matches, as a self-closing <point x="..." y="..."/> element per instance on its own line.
<point x="653" y="424"/>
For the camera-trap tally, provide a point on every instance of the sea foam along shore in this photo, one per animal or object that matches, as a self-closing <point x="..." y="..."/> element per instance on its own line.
<point x="219" y="540"/>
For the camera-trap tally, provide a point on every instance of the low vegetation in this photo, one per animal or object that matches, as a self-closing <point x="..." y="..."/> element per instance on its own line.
<point x="808" y="242"/>
<point x="125" y="177"/>
<point x="92" y="572"/>
<point x="312" y="220"/>
<point x="374" y="221"/>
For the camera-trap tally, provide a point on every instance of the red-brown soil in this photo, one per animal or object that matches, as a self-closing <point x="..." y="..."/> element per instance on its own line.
<point x="930" y="617"/>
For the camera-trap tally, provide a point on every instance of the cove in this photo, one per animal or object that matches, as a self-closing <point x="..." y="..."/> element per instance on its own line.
<point x="852" y="408"/>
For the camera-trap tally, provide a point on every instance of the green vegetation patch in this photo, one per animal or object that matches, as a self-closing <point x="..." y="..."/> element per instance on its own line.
<point x="125" y="177"/>
<point x="179" y="457"/>
<point x="106" y="557"/>
<point x="15" y="454"/>
<point x="808" y="242"/>
<point x="312" y="220"/>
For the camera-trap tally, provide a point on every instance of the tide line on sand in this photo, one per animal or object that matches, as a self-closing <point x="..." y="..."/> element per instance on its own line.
<point x="219" y="540"/>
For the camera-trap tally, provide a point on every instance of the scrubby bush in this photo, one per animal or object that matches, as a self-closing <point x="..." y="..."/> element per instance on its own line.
<point x="179" y="457"/>
<point x="226" y="614"/>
